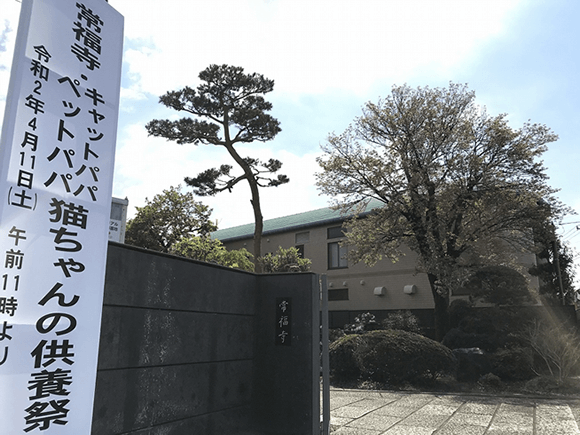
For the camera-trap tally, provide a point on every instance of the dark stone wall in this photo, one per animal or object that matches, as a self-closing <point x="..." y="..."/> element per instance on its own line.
<point x="188" y="348"/>
<point x="283" y="402"/>
<point x="177" y="346"/>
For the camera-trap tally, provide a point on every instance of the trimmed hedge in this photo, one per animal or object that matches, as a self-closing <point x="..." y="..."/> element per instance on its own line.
<point x="389" y="356"/>
<point x="343" y="367"/>
<point x="513" y="364"/>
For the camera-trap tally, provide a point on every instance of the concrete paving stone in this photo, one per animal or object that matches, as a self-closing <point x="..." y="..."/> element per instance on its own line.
<point x="374" y="421"/>
<point x="508" y="432"/>
<point x="416" y="400"/>
<point x="367" y="406"/>
<point x="554" y="411"/>
<point x="557" y="427"/>
<point x="471" y="419"/>
<point x="463" y="429"/>
<point x="338" y="402"/>
<point x="409" y="430"/>
<point x="438" y="409"/>
<point x="355" y="431"/>
<point x="423" y="420"/>
<point x="575" y="409"/>
<point x="511" y="428"/>
<point x="372" y="402"/>
<point x="349" y="412"/>
<point x="513" y="420"/>
<point x="448" y="400"/>
<point x="478" y="408"/>
<point x="396" y="410"/>
<point x="511" y="408"/>
<point x="339" y="421"/>
<point x="383" y="395"/>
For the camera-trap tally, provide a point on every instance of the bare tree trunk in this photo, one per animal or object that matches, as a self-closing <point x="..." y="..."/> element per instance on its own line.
<point x="441" y="299"/>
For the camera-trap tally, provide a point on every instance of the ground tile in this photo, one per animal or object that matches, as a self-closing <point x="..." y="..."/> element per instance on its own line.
<point x="423" y="420"/>
<point x="471" y="419"/>
<point x="511" y="427"/>
<point x="508" y="432"/>
<point x="518" y="409"/>
<point x="557" y="427"/>
<point x="555" y="411"/>
<point x="415" y="400"/>
<point x="479" y="408"/>
<point x="339" y="421"/>
<point x="372" y="402"/>
<point x="342" y="401"/>
<point x="355" y="431"/>
<point x="409" y="430"/>
<point x="438" y="409"/>
<point x="396" y="411"/>
<point x="463" y="429"/>
<point x="349" y="412"/>
<point x="375" y="421"/>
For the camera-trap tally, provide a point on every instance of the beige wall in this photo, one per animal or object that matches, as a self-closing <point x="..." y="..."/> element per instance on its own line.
<point x="360" y="279"/>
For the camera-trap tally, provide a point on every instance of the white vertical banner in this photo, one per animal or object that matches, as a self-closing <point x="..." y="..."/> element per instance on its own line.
<point x="56" y="170"/>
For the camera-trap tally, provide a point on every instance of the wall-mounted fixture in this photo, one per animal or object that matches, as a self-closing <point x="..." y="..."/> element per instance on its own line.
<point x="330" y="284"/>
<point x="380" y="291"/>
<point x="345" y="284"/>
<point x="410" y="289"/>
<point x="362" y="282"/>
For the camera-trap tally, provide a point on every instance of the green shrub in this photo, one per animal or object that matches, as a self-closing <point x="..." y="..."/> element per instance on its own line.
<point x="557" y="347"/>
<point x="458" y="310"/>
<point x="398" y="357"/>
<point x="490" y="381"/>
<point x="343" y="367"/>
<point x="515" y="364"/>
<point x="402" y="320"/>
<point x="457" y="339"/>
<point x="335" y="334"/>
<point x="362" y="323"/>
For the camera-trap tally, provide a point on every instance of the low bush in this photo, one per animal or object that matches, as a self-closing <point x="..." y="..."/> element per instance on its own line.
<point x="515" y="364"/>
<point x="472" y="364"/>
<point x="335" y="334"/>
<point x="459" y="339"/>
<point x="392" y="357"/>
<point x="362" y="323"/>
<point x="458" y="310"/>
<point x="402" y="320"/>
<point x="490" y="381"/>
<point x="557" y="347"/>
<point x="343" y="366"/>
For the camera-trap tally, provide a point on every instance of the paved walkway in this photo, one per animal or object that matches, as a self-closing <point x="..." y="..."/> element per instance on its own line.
<point x="356" y="412"/>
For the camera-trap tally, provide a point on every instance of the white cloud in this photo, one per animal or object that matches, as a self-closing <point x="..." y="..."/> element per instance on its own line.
<point x="306" y="46"/>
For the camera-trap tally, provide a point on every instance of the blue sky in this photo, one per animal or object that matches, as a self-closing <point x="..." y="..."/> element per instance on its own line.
<point x="327" y="59"/>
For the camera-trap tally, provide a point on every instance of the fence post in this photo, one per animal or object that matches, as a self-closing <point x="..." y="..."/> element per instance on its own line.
<point x="325" y="361"/>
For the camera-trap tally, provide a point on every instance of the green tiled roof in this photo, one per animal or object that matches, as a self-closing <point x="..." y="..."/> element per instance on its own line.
<point x="321" y="216"/>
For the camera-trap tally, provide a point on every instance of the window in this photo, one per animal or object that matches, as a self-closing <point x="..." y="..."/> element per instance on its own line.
<point x="335" y="232"/>
<point x="302" y="238"/>
<point x="300" y="249"/>
<point x="338" y="294"/>
<point x="337" y="256"/>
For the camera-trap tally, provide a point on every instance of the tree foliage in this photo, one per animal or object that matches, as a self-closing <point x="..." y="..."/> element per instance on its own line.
<point x="166" y="219"/>
<point x="457" y="185"/>
<point x="229" y="110"/>
<point x="499" y="285"/>
<point x="213" y="251"/>
<point x="284" y="260"/>
<point x="547" y="272"/>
